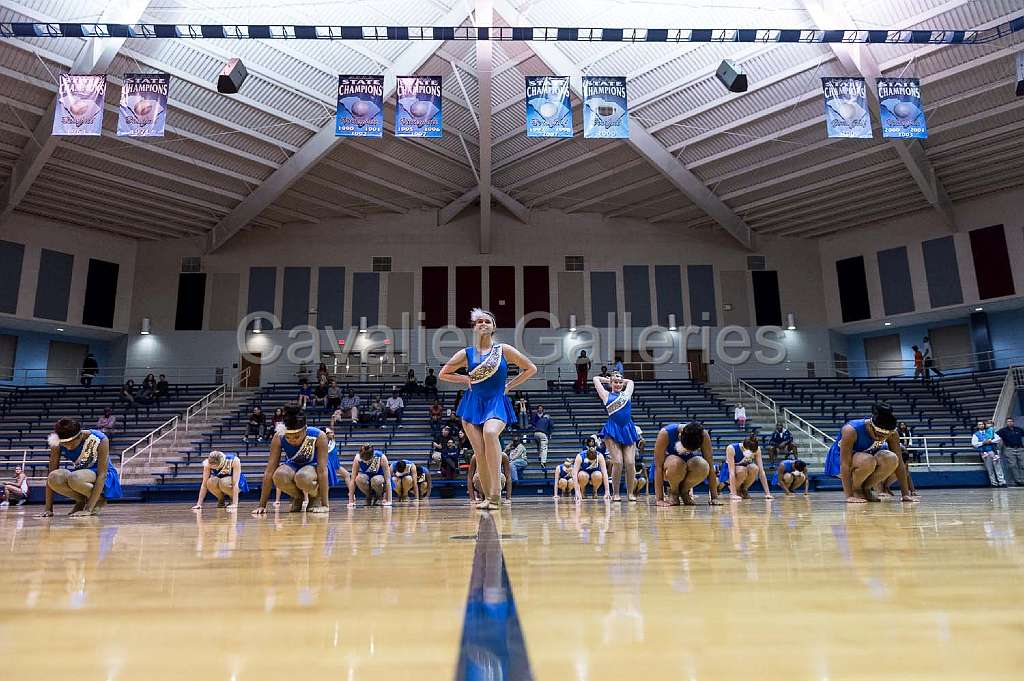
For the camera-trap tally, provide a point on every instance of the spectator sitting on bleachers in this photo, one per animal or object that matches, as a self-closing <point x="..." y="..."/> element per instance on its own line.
<point x="107" y="422"/>
<point x="147" y="395"/>
<point x="436" y="413"/>
<point x="987" y="443"/>
<point x="604" y="372"/>
<point x="430" y="385"/>
<point x="163" y="388"/>
<point x="333" y="396"/>
<point x="348" y="409"/>
<point x="321" y="373"/>
<point x="739" y="414"/>
<point x="127" y="394"/>
<point x="394" y="407"/>
<point x="446" y="450"/>
<point x="90" y="367"/>
<point x="277" y="418"/>
<point x="412" y="386"/>
<point x="781" y="442"/>
<point x="375" y="414"/>
<point x="149" y="382"/>
<point x="320" y="393"/>
<point x="257" y="425"/>
<point x="15" y="490"/>
<point x="516" y="452"/>
<point x="305" y="393"/>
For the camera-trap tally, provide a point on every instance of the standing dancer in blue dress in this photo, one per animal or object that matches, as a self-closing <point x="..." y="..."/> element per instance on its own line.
<point x="683" y="458"/>
<point x="298" y="464"/>
<point x="619" y="432"/>
<point x="89" y="452"/>
<point x="864" y="454"/>
<point x="485" y="408"/>
<point x="222" y="475"/>
<point x="743" y="465"/>
<point x="790" y="474"/>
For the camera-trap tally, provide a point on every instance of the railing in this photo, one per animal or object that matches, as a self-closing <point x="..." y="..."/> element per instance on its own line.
<point x="110" y="375"/>
<point x="1004" y="406"/>
<point x="24" y="453"/>
<point x="927" y="446"/>
<point x="202" y="405"/>
<point x="241" y="377"/>
<point x="144" y="445"/>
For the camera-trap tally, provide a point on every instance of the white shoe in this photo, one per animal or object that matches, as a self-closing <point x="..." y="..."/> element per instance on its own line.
<point x="4" y="504"/>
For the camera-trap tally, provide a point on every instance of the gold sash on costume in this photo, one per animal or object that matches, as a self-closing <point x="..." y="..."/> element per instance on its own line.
<point x="876" y="446"/>
<point x="373" y="466"/>
<point x="488" y="366"/>
<point x="618" y="403"/>
<point x="225" y="468"/>
<point x="90" y="454"/>
<point x="306" y="452"/>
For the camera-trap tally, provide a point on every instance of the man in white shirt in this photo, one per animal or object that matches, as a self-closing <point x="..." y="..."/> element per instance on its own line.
<point x="929" y="360"/>
<point x="394" y="407"/>
<point x="516" y="451"/>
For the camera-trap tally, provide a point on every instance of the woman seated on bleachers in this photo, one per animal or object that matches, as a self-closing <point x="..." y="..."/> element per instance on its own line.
<point x="412" y="386"/>
<point x="15" y="490"/>
<point x="127" y="394"/>
<point x="92" y="479"/>
<point x="222" y="476"/>
<point x="107" y="422"/>
<point x="305" y="394"/>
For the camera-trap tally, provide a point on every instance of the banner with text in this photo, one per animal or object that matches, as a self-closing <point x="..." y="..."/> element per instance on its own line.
<point x="846" y="108"/>
<point x="143" y="109"/>
<point x="79" y="109"/>
<point x="548" y="108"/>
<point x="360" y="106"/>
<point x="418" y="109"/>
<point x="902" y="112"/>
<point x="605" y="112"/>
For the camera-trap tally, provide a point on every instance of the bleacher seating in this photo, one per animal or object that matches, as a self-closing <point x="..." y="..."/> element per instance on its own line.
<point x="945" y="410"/>
<point x="656" y="403"/>
<point x="27" y="415"/>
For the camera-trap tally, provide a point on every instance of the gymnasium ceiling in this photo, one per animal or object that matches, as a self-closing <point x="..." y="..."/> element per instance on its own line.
<point x="762" y="155"/>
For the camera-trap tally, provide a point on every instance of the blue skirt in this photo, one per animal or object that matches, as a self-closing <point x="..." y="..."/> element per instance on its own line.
<point x="332" y="471"/>
<point x="112" y="483"/>
<point x="623" y="433"/>
<point x="723" y="473"/>
<point x="477" y="409"/>
<point x="832" y="460"/>
<point x="334" y="463"/>
<point x="243" y="486"/>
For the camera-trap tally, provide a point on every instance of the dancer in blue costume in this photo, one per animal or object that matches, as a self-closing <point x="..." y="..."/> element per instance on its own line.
<point x="89" y="452"/>
<point x="485" y="409"/>
<point x="865" y="454"/>
<point x="222" y="476"/>
<point x="371" y="474"/>
<point x="405" y="479"/>
<point x="683" y="458"/>
<point x="298" y="464"/>
<point x="563" y="478"/>
<point x="334" y="458"/>
<point x="743" y="465"/>
<point x="589" y="469"/>
<point x="791" y="474"/>
<point x="619" y="432"/>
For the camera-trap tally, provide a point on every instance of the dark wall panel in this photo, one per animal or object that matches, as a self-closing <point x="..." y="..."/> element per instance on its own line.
<point x="942" y="272"/>
<point x="636" y="289"/>
<point x="366" y="298"/>
<point x="434" y="297"/>
<point x="991" y="262"/>
<point x="603" y="299"/>
<point x="191" y="299"/>
<point x="894" y="275"/>
<point x="668" y="287"/>
<point x="536" y="295"/>
<point x="502" y="294"/>
<point x="701" y="281"/>
<point x="100" y="293"/>
<point x="853" y="289"/>
<point x="54" y="285"/>
<point x="262" y="291"/>
<point x="469" y="293"/>
<point x="12" y="256"/>
<point x="767" y="302"/>
<point x="295" y="297"/>
<point x="330" y="298"/>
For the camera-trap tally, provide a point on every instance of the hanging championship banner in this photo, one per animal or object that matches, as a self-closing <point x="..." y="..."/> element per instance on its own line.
<point x="846" y="108"/>
<point x="143" y="107"/>
<point x="902" y="112"/>
<point x="360" y="106"/>
<point x="79" y="109"/>
<point x="548" y="109"/>
<point x="605" y="115"/>
<point x="418" y="110"/>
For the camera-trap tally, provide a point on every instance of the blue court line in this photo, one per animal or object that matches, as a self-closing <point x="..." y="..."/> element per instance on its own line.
<point x="492" y="645"/>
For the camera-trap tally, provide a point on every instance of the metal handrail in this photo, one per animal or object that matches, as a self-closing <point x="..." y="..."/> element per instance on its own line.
<point x="203" y="404"/>
<point x="169" y="427"/>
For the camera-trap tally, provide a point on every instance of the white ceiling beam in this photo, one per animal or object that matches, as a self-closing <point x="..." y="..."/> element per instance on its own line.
<point x="387" y="184"/>
<point x="355" y="193"/>
<point x="94" y="57"/>
<point x="51" y="212"/>
<point x="559" y="167"/>
<point x="452" y="210"/>
<point x="484" y="54"/>
<point x="546" y="196"/>
<point x="642" y="141"/>
<point x="321" y="144"/>
<point x="612" y="193"/>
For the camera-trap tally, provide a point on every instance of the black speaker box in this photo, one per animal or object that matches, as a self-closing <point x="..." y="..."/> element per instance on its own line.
<point x="231" y="78"/>
<point x="732" y="76"/>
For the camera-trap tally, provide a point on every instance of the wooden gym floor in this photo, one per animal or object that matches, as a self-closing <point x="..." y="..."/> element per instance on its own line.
<point x="798" y="588"/>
